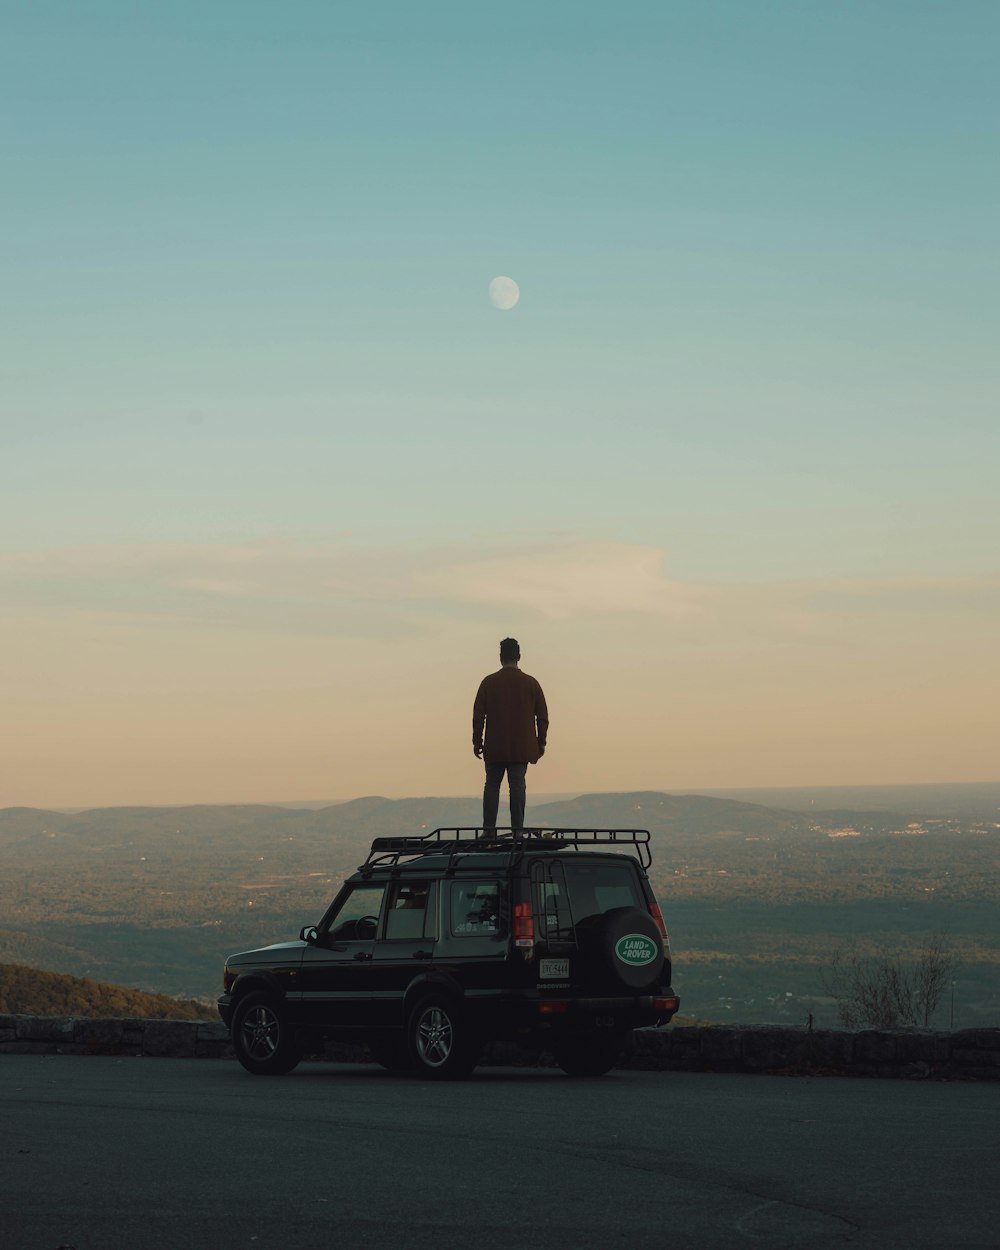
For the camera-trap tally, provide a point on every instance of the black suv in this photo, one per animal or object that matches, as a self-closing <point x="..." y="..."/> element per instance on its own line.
<point x="441" y="943"/>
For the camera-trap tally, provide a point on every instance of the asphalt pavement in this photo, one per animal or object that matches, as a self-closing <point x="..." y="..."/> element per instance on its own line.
<point x="150" y="1154"/>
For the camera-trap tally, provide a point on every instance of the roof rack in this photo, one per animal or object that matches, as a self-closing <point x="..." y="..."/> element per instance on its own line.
<point x="470" y="838"/>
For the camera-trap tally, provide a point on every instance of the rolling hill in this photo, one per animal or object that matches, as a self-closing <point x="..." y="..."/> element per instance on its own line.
<point x="31" y="992"/>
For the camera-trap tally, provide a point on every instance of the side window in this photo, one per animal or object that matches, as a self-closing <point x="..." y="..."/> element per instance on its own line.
<point x="357" y="917"/>
<point x="475" y="908"/>
<point x="410" y="911"/>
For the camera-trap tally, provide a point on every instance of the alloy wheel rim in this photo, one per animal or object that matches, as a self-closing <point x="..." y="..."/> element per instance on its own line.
<point x="435" y="1037"/>
<point x="260" y="1033"/>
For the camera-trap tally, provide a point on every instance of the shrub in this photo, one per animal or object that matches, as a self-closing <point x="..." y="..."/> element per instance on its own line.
<point x="888" y="991"/>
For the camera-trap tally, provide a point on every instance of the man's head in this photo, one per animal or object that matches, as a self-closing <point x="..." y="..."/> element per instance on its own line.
<point x="510" y="651"/>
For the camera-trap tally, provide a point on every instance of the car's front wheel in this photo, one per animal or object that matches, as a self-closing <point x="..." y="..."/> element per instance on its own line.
<point x="441" y="1044"/>
<point x="262" y="1039"/>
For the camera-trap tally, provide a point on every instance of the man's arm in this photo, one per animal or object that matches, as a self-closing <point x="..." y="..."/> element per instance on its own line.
<point x="541" y="718"/>
<point x="479" y="720"/>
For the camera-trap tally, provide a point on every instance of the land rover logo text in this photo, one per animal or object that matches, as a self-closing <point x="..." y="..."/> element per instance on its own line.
<point x="635" y="949"/>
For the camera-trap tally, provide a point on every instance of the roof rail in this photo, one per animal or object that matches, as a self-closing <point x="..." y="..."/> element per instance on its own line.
<point x="464" y="839"/>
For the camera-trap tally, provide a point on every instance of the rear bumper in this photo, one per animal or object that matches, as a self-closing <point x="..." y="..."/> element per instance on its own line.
<point x="661" y="1004"/>
<point x="623" y="1013"/>
<point x="533" y="1014"/>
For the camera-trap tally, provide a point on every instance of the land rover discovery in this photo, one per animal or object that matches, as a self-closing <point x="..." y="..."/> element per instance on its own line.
<point x="442" y="943"/>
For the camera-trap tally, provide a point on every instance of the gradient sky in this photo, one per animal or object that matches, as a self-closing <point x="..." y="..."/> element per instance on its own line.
<point x="276" y="477"/>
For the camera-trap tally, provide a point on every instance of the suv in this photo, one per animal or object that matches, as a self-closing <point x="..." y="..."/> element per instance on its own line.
<point x="442" y="943"/>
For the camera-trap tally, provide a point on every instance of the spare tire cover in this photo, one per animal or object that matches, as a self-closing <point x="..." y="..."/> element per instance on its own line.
<point x="625" y="948"/>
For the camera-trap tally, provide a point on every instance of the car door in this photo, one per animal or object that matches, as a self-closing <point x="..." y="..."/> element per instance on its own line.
<point x="405" y="946"/>
<point x="335" y="983"/>
<point x="474" y="914"/>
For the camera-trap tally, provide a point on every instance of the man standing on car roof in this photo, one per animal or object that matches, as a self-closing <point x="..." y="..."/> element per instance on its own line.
<point x="511" y="706"/>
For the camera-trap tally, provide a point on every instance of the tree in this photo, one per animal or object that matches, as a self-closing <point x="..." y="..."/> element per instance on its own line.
<point x="933" y="971"/>
<point x="887" y="992"/>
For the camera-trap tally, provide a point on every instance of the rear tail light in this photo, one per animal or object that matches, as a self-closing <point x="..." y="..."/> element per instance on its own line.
<point x="524" y="925"/>
<point x="669" y="1002"/>
<point x="654" y="911"/>
<point x="553" y="1007"/>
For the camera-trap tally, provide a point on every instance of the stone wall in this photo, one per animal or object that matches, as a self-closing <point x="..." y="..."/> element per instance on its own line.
<point x="80" y="1035"/>
<point x="972" y="1054"/>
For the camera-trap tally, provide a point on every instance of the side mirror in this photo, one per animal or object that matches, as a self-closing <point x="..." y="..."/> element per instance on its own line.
<point x="309" y="934"/>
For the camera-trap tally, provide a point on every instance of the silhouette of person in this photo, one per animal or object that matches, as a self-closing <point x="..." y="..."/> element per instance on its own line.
<point x="510" y="706"/>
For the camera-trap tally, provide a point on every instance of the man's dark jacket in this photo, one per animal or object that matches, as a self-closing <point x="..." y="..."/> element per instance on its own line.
<point x="512" y="707"/>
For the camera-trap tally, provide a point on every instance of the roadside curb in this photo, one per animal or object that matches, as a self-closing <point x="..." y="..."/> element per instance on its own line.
<point x="970" y="1054"/>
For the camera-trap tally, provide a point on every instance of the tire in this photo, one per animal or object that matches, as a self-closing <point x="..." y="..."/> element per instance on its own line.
<point x="588" y="1055"/>
<point x="440" y="1043"/>
<point x="263" y="1042"/>
<point x="598" y="939"/>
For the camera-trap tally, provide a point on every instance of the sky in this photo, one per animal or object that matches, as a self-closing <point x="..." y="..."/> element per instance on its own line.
<point x="276" y="476"/>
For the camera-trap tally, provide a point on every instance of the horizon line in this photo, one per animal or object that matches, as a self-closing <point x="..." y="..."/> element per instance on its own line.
<point x="541" y="798"/>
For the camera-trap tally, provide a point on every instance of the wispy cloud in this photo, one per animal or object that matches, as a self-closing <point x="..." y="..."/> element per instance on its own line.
<point x="341" y="584"/>
<point x="566" y="581"/>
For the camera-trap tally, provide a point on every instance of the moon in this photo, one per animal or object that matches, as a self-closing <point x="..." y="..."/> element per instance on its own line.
<point x="504" y="293"/>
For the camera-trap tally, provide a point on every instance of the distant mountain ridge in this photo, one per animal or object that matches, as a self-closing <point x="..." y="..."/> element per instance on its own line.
<point x="337" y="837"/>
<point x="377" y="815"/>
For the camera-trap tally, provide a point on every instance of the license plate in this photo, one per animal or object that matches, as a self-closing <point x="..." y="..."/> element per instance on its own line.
<point x="553" y="969"/>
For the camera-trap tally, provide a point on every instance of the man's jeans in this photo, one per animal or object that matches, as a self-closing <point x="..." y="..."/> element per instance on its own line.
<point x="491" y="794"/>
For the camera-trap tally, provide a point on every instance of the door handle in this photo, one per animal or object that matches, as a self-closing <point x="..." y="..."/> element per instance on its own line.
<point x="422" y="954"/>
<point x="362" y="955"/>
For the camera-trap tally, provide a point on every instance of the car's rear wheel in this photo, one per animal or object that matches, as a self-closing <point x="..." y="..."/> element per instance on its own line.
<point x="588" y="1055"/>
<point x="441" y="1044"/>
<point x="262" y="1039"/>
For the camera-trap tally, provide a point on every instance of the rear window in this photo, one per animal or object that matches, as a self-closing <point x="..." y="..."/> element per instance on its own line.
<point x="570" y="891"/>
<point x="475" y="908"/>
